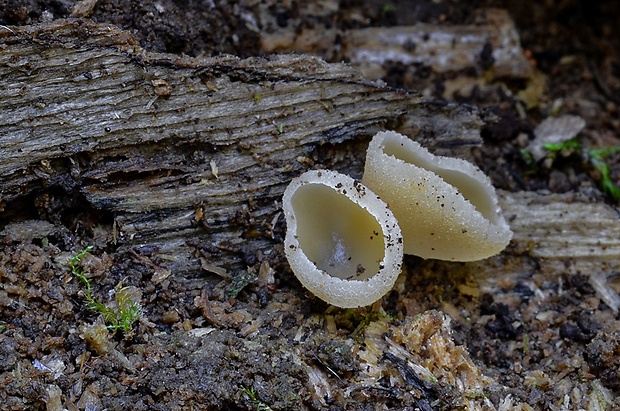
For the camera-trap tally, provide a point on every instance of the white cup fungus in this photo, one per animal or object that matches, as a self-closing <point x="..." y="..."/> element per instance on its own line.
<point x="342" y="242"/>
<point x="446" y="207"/>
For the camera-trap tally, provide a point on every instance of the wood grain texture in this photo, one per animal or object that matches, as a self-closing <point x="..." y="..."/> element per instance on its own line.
<point x="565" y="233"/>
<point x="190" y="156"/>
<point x="179" y="148"/>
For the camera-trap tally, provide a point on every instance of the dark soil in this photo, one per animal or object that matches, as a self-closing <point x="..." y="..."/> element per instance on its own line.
<point x="547" y="342"/>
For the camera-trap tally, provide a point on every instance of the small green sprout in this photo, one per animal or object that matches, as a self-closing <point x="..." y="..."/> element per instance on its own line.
<point x="260" y="406"/>
<point x="78" y="271"/>
<point x="597" y="159"/>
<point x="118" y="316"/>
<point x="568" y="145"/>
<point x="257" y="97"/>
<point x="527" y="157"/>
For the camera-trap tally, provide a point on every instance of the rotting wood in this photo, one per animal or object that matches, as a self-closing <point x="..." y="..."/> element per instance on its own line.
<point x="493" y="42"/>
<point x="139" y="134"/>
<point x="564" y="226"/>
<point x="491" y="45"/>
<point x="557" y="235"/>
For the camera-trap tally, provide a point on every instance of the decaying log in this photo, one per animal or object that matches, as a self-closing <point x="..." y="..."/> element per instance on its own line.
<point x="558" y="235"/>
<point x="179" y="148"/>
<point x="555" y="235"/>
<point x="563" y="227"/>
<point x="490" y="45"/>
<point x="190" y="156"/>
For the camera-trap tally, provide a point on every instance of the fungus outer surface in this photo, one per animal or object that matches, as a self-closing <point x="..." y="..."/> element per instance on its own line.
<point x="342" y="242"/>
<point x="446" y="207"/>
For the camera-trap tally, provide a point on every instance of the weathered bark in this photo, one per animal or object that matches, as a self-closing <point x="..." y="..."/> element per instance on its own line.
<point x="181" y="148"/>
<point x="556" y="235"/>
<point x="493" y="42"/>
<point x="432" y="57"/>
<point x="564" y="233"/>
<point x="193" y="154"/>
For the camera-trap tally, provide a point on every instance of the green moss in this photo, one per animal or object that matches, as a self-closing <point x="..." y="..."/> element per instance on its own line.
<point x="260" y="406"/>
<point x="597" y="159"/>
<point x="118" y="316"/>
<point x="568" y="145"/>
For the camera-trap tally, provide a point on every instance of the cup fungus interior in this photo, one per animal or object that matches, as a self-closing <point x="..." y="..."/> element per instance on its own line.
<point x="339" y="236"/>
<point x="472" y="189"/>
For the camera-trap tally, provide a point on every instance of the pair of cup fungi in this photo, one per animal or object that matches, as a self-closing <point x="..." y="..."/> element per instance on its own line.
<point x="345" y="239"/>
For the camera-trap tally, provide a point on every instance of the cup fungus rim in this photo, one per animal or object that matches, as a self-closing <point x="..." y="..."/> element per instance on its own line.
<point x="480" y="220"/>
<point x="345" y="293"/>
